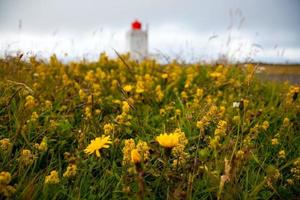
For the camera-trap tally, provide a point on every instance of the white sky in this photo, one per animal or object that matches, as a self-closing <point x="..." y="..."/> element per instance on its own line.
<point x="191" y="30"/>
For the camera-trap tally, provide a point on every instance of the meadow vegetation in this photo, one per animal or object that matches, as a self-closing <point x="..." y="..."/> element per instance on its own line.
<point x="118" y="129"/>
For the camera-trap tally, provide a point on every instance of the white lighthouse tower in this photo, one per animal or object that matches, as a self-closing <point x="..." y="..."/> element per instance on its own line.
<point x="137" y="41"/>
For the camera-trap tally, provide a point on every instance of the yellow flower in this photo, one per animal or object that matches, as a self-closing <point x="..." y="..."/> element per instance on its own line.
<point x="143" y="149"/>
<point x="108" y="128"/>
<point x="30" y="102"/>
<point x="125" y="107"/>
<point x="265" y="125"/>
<point x="48" y="104"/>
<point x="162" y="112"/>
<point x="128" y="147"/>
<point x="164" y="76"/>
<point x="135" y="156"/>
<point x="5" y="178"/>
<point x="26" y="157"/>
<point x="97" y="111"/>
<point x="34" y="117"/>
<point x="281" y="154"/>
<point x="6" y="189"/>
<point x="52" y="178"/>
<point x="43" y="146"/>
<point x="275" y="141"/>
<point x="97" y="144"/>
<point x="135" y="153"/>
<point x="71" y="171"/>
<point x="159" y="93"/>
<point x="240" y="154"/>
<point x="140" y="87"/>
<point x="82" y="94"/>
<point x="286" y="122"/>
<point x="168" y="140"/>
<point x="5" y="144"/>
<point x="127" y="88"/>
<point x="221" y="128"/>
<point x="88" y="112"/>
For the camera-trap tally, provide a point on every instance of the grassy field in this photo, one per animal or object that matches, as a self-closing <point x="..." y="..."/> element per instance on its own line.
<point x="280" y="72"/>
<point x="115" y="129"/>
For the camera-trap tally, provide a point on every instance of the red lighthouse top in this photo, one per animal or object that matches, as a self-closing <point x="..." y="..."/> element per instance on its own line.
<point x="136" y="25"/>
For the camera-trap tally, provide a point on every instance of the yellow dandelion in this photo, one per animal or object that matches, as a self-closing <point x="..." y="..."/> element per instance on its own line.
<point x="97" y="144"/>
<point x="168" y="140"/>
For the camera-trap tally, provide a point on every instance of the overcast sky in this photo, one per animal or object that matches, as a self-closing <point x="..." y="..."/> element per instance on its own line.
<point x="265" y="30"/>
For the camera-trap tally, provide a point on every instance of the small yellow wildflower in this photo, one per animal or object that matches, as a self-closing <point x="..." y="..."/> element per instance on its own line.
<point x="30" y="102"/>
<point x="143" y="149"/>
<point x="125" y="107"/>
<point x="177" y="112"/>
<point x="127" y="88"/>
<point x="214" y="142"/>
<point x="6" y="189"/>
<point x="82" y="94"/>
<point x="265" y="125"/>
<point x="164" y="76"/>
<point x="71" y="171"/>
<point x="108" y="128"/>
<point x="43" y="146"/>
<point x="275" y="141"/>
<point x="48" y="104"/>
<point x="5" y="144"/>
<point x="97" y="111"/>
<point x="5" y="178"/>
<point x="162" y="112"/>
<point x="128" y="147"/>
<point x="53" y="178"/>
<point x="26" y="157"/>
<point x="221" y="128"/>
<point x="140" y="87"/>
<point x="184" y="95"/>
<point x="34" y="117"/>
<point x="168" y="140"/>
<point x="199" y="92"/>
<point x="90" y="100"/>
<point x="290" y="181"/>
<point x="88" y="113"/>
<point x="98" y="144"/>
<point x="286" y="122"/>
<point x="178" y="151"/>
<point x="240" y="154"/>
<point x="135" y="156"/>
<point x="281" y="154"/>
<point x="159" y="93"/>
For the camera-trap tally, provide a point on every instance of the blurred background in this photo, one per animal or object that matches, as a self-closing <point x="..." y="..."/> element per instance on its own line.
<point x="193" y="30"/>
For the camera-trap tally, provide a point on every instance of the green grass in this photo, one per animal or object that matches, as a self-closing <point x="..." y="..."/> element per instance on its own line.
<point x="258" y="174"/>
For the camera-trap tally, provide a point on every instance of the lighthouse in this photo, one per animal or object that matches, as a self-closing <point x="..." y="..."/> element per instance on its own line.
<point x="137" y="41"/>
